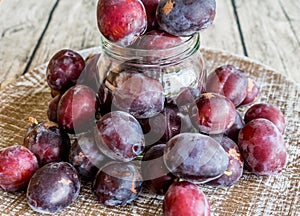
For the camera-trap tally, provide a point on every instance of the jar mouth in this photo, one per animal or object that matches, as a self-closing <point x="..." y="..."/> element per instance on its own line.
<point x="186" y="47"/>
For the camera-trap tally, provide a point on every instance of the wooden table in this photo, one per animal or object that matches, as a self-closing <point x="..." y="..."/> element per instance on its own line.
<point x="32" y="31"/>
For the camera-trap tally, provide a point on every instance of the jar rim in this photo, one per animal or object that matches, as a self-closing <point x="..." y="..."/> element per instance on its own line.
<point x="187" y="47"/>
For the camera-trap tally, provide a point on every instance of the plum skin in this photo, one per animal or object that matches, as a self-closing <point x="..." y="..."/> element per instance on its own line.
<point x="235" y="167"/>
<point x="117" y="183"/>
<point x="155" y="175"/>
<point x="195" y="157"/>
<point x="17" y="165"/>
<point x="138" y="94"/>
<point x="212" y="113"/>
<point x="64" y="69"/>
<point x="48" y="142"/>
<point x="262" y="147"/>
<point x="229" y="81"/>
<point x="185" y="18"/>
<point x="185" y="198"/>
<point x="86" y="157"/>
<point x="267" y="111"/>
<point x="77" y="108"/>
<point x="53" y="187"/>
<point x="119" y="136"/>
<point x="121" y="21"/>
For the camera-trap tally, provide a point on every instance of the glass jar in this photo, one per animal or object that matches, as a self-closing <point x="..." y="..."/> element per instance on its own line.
<point x="175" y="69"/>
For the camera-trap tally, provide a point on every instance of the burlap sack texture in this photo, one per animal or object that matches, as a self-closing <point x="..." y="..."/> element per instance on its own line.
<point x="252" y="195"/>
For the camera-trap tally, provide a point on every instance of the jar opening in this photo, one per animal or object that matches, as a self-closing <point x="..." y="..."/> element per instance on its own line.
<point x="169" y="55"/>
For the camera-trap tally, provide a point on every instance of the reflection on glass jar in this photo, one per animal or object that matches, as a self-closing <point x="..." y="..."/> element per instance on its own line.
<point x="139" y="81"/>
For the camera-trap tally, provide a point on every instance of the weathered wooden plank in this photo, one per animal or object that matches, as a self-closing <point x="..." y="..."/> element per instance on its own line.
<point x="271" y="30"/>
<point x="73" y="26"/>
<point x="223" y="34"/>
<point x="21" y="25"/>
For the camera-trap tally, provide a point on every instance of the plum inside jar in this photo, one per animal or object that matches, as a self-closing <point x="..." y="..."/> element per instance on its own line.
<point x="139" y="80"/>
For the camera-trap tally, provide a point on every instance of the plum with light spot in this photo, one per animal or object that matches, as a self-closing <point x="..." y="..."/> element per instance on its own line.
<point x="53" y="187"/>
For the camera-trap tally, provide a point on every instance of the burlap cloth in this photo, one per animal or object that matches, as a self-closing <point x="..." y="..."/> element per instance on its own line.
<point x="252" y="195"/>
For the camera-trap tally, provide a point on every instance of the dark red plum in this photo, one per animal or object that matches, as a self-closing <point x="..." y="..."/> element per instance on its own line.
<point x="90" y="76"/>
<point x="267" y="111"/>
<point x="185" y="198"/>
<point x="233" y="131"/>
<point x="121" y="21"/>
<point x="229" y="81"/>
<point x="157" y="39"/>
<point x="262" y="147"/>
<point x="53" y="187"/>
<point x="185" y="18"/>
<point x="64" y="69"/>
<point x="52" y="108"/>
<point x="154" y="172"/>
<point x="151" y="6"/>
<point x="235" y="167"/>
<point x="86" y="157"/>
<point x="163" y="126"/>
<point x="253" y="92"/>
<point x="17" y="165"/>
<point x="77" y="109"/>
<point x="195" y="157"/>
<point x="119" y="136"/>
<point x="117" y="184"/>
<point x="105" y="100"/>
<point x="139" y="95"/>
<point x="187" y="96"/>
<point x="212" y="113"/>
<point x="48" y="142"/>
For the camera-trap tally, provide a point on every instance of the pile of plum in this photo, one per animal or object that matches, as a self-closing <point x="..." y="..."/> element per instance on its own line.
<point x="134" y="137"/>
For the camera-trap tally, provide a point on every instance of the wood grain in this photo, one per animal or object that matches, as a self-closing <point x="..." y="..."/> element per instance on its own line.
<point x="21" y="25"/>
<point x="271" y="31"/>
<point x="73" y="26"/>
<point x="223" y="34"/>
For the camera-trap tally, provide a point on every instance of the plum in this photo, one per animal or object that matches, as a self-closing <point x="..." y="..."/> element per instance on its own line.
<point x="138" y="94"/>
<point x="229" y="81"/>
<point x="235" y="167"/>
<point x="262" y="147"/>
<point x="90" y="76"/>
<point x="154" y="172"/>
<point x="164" y="126"/>
<point x="185" y="17"/>
<point x="17" y="165"/>
<point x="86" y="157"/>
<point x="53" y="187"/>
<point x="119" y="136"/>
<point x="185" y="198"/>
<point x="117" y="183"/>
<point x="64" y="69"/>
<point x="157" y="39"/>
<point x="151" y="6"/>
<point x="253" y="92"/>
<point x="48" y="142"/>
<point x="212" y="113"/>
<point x="77" y="109"/>
<point x="195" y="157"/>
<point x="233" y="131"/>
<point x="267" y="111"/>
<point x="52" y="108"/>
<point x="121" y="21"/>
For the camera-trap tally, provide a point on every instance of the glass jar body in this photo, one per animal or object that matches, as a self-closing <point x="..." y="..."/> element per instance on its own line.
<point x="139" y="72"/>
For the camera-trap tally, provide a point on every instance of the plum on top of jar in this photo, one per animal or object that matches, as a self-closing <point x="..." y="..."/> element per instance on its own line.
<point x="121" y="21"/>
<point x="184" y="18"/>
